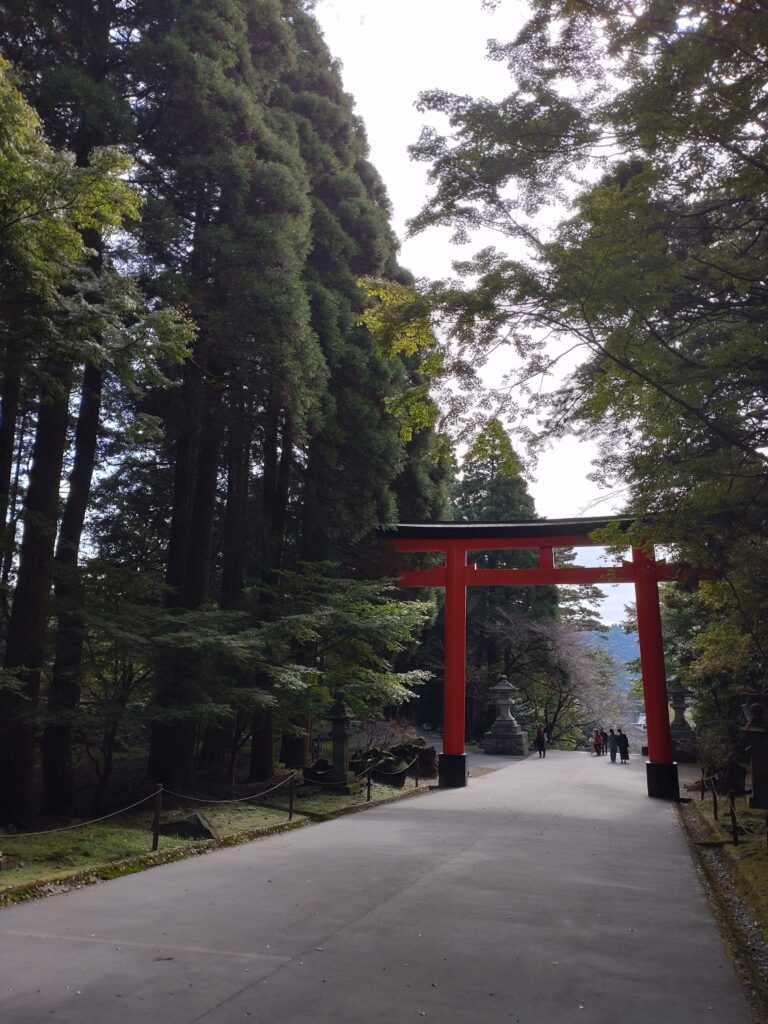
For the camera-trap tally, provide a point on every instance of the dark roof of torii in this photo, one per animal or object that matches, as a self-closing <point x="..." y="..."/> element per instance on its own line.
<point x="534" y="528"/>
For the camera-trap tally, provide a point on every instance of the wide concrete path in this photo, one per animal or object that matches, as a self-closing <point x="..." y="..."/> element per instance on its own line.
<point x="548" y="891"/>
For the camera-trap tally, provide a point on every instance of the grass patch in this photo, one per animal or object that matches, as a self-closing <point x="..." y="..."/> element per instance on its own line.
<point x="57" y="854"/>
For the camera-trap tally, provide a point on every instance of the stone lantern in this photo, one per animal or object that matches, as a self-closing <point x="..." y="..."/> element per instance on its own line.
<point x="505" y="736"/>
<point x="756" y="735"/>
<point x="683" y="740"/>
<point x="340" y="717"/>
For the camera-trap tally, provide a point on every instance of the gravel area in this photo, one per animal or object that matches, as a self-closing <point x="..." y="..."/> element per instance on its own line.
<point x="742" y="934"/>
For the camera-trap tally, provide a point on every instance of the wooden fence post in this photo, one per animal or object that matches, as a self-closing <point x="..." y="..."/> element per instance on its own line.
<point x="734" y="821"/>
<point x="156" y="818"/>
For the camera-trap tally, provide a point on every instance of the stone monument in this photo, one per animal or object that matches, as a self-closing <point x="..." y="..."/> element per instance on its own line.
<point x="505" y="736"/>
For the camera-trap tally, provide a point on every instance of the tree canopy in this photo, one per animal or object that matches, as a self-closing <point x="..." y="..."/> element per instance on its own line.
<point x="186" y="208"/>
<point x="626" y="172"/>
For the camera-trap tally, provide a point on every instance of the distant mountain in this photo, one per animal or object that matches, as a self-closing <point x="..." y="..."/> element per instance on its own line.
<point x="623" y="647"/>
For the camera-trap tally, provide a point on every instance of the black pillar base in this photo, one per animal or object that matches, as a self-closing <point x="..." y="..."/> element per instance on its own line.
<point x="452" y="771"/>
<point x="662" y="780"/>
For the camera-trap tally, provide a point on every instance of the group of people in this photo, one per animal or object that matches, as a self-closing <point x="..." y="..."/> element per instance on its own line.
<point x="611" y="742"/>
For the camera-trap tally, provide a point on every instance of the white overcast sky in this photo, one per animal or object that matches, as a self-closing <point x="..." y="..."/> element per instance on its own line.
<point x="390" y="51"/>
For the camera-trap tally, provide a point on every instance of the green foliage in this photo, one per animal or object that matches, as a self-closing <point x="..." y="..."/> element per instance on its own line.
<point x="48" y="299"/>
<point x="348" y="633"/>
<point x="579" y="604"/>
<point x="655" y="273"/>
<point x="398" y="320"/>
<point x="491" y="488"/>
<point x="46" y="201"/>
<point x="326" y="633"/>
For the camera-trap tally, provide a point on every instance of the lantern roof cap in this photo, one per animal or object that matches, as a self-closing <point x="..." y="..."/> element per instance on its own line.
<point x="502" y="686"/>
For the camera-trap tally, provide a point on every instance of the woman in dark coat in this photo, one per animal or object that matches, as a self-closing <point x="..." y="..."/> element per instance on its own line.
<point x="623" y="741"/>
<point x="541" y="741"/>
<point x="597" y="742"/>
<point x="613" y="744"/>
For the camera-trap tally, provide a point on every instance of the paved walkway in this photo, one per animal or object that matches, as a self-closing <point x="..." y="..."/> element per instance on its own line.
<point x="550" y="891"/>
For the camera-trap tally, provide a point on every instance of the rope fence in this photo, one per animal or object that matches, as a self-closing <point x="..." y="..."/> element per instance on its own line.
<point x="80" y="824"/>
<point x="232" y="800"/>
<point x="160" y="791"/>
<point x="400" y="771"/>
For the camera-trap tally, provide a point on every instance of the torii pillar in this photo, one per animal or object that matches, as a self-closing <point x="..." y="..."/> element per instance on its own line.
<point x="452" y="762"/>
<point x="661" y="769"/>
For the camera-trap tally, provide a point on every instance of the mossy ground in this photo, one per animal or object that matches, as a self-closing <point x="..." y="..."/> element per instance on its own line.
<point x="748" y="861"/>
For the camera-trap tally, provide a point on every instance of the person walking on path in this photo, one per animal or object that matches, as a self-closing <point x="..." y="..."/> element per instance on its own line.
<point x="623" y="740"/>
<point x="613" y="745"/>
<point x="541" y="741"/>
<point x="604" y="739"/>
<point x="597" y="742"/>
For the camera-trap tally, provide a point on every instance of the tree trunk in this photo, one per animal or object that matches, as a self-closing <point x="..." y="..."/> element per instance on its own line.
<point x="26" y="630"/>
<point x="278" y="460"/>
<point x="215" y="748"/>
<point x="314" y="529"/>
<point x="277" y="463"/>
<point x="172" y="744"/>
<point x="262" y="763"/>
<point x="197" y="577"/>
<point x="9" y="477"/>
<point x="237" y="741"/>
<point x="9" y="411"/>
<point x="234" y="536"/>
<point x="108" y="753"/>
<point x="294" y="749"/>
<point x="181" y="512"/>
<point x="58" y="775"/>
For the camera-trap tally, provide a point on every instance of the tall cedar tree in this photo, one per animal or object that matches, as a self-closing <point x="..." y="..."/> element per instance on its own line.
<point x="491" y="489"/>
<point x="343" y="482"/>
<point x="227" y="230"/>
<point x="355" y="453"/>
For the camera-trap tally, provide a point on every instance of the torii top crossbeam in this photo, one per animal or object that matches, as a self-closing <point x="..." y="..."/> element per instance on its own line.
<point x="458" y="540"/>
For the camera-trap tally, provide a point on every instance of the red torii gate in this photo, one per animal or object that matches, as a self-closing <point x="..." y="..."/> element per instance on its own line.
<point x="457" y="540"/>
